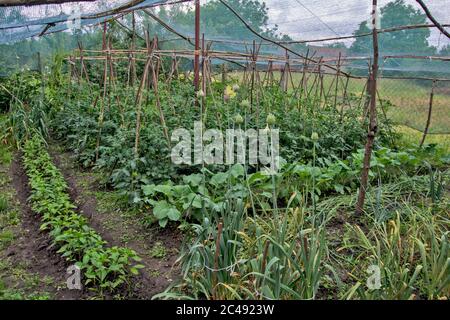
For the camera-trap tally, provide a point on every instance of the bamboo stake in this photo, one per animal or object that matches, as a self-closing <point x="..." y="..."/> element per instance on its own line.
<point x="138" y="103"/>
<point x="337" y="80"/>
<point x="203" y="78"/>
<point x="367" y="95"/>
<point x="345" y="98"/>
<point x="322" y="89"/>
<point x="313" y="86"/>
<point x="155" y="91"/>
<point x="301" y="85"/>
<point x="70" y="75"/>
<point x="83" y="67"/>
<point x="224" y="73"/>
<point x="372" y="116"/>
<point x="430" y="108"/>
<point x="252" y="79"/>
<point x="158" y="105"/>
<point x="74" y="69"/>
<point x="102" y="108"/>
<point x="172" y="68"/>
<point x="270" y="73"/>
<point x="363" y="94"/>
<point x="133" y="46"/>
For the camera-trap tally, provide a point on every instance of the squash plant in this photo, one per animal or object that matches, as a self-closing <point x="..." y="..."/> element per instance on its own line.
<point x="208" y="190"/>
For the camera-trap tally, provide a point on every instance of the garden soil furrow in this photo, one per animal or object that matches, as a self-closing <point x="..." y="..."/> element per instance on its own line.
<point x="158" y="272"/>
<point x="33" y="247"/>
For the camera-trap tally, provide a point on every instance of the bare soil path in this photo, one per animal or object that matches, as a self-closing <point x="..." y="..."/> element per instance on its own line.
<point x="30" y="267"/>
<point x="122" y="226"/>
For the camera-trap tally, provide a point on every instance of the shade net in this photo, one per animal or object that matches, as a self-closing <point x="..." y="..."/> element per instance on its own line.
<point x="304" y="27"/>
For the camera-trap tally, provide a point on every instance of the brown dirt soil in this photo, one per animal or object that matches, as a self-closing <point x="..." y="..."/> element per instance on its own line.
<point x="32" y="247"/>
<point x="121" y="229"/>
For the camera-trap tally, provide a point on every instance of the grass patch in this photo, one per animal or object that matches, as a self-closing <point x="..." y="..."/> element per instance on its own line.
<point x="5" y="154"/>
<point x="21" y="284"/>
<point x="6" y="238"/>
<point x="5" y="151"/>
<point x="108" y="201"/>
<point x="409" y="98"/>
<point x="410" y="136"/>
<point x="158" y="251"/>
<point x="3" y="204"/>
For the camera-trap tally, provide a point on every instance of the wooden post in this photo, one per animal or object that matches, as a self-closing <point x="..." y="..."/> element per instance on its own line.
<point x="224" y="73"/>
<point x="284" y="81"/>
<point x="245" y="76"/>
<point x="111" y="69"/>
<point x="337" y="80"/>
<point x="102" y="108"/>
<point x="345" y="98"/>
<point x="322" y="89"/>
<point x="203" y="80"/>
<point x="83" y="67"/>
<point x="209" y="70"/>
<point x="41" y="74"/>
<point x="305" y="67"/>
<point x="74" y="68"/>
<point x="197" y="45"/>
<point x="430" y="108"/>
<point x="252" y="79"/>
<point x="315" y="74"/>
<point x="158" y="106"/>
<point x="133" y="47"/>
<point x="270" y="73"/>
<point x="154" y="81"/>
<point x="138" y="103"/>
<point x="372" y="116"/>
<point x="367" y="92"/>
<point x="70" y="76"/>
<point x="364" y="90"/>
<point x="256" y="79"/>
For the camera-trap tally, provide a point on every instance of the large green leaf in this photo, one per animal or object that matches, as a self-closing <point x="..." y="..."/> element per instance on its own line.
<point x="237" y="170"/>
<point x="160" y="210"/>
<point x="148" y="190"/>
<point x="219" y="178"/>
<point x="173" y="214"/>
<point x="193" y="179"/>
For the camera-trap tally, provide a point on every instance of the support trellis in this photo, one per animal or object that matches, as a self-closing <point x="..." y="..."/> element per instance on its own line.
<point x="312" y="68"/>
<point x="372" y="130"/>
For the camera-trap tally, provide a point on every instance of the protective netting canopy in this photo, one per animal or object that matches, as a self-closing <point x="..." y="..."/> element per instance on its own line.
<point x="22" y="22"/>
<point x="301" y="25"/>
<point x="334" y="34"/>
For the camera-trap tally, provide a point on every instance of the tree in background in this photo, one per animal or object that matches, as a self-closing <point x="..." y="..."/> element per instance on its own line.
<point x="216" y="20"/>
<point x="397" y="13"/>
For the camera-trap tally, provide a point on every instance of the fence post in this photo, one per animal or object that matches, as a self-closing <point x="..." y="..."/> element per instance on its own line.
<point x="372" y="115"/>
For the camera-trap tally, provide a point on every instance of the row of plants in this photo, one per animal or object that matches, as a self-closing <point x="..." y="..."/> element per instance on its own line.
<point x="230" y="255"/>
<point x="293" y="253"/>
<point x="105" y="268"/>
<point x="253" y="236"/>
<point x="209" y="190"/>
<point x="412" y="253"/>
<point x="108" y="145"/>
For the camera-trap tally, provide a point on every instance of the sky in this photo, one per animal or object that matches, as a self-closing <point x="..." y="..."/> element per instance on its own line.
<point x="309" y="19"/>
